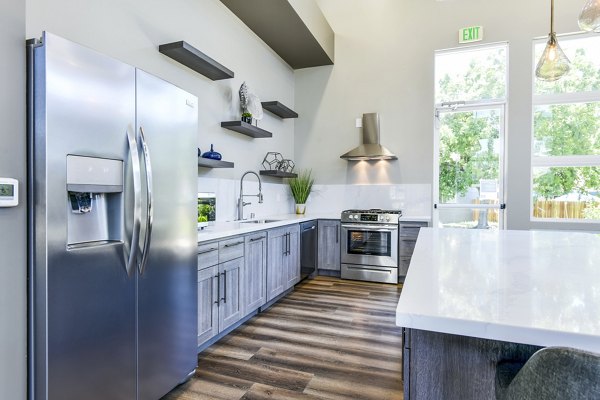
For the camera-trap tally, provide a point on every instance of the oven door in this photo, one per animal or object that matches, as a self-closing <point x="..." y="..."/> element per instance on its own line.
<point x="375" y="245"/>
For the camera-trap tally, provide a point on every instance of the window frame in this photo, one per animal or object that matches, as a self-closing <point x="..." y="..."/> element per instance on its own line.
<point x="466" y="106"/>
<point x="550" y="99"/>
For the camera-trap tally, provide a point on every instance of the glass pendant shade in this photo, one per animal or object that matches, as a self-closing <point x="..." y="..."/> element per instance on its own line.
<point x="553" y="64"/>
<point x="589" y="19"/>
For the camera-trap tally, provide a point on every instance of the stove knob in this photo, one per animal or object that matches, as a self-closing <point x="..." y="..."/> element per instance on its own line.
<point x="387" y="218"/>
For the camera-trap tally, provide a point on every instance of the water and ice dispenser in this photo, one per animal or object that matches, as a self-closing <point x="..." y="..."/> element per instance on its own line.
<point x="94" y="201"/>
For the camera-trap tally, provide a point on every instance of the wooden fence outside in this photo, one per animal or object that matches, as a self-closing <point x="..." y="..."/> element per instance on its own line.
<point x="559" y="209"/>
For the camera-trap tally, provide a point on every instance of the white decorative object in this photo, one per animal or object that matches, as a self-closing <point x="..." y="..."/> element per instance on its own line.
<point x="255" y="106"/>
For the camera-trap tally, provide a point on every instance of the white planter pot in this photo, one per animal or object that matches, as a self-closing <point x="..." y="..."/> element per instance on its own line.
<point x="300" y="208"/>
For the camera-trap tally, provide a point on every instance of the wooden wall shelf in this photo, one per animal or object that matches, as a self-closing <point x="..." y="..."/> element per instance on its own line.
<point x="193" y="58"/>
<point x="210" y="163"/>
<point x="279" y="109"/>
<point x="246" y="129"/>
<point x="278" y="174"/>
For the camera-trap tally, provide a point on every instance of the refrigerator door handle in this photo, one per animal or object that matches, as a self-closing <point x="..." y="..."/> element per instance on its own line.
<point x="137" y="201"/>
<point x="150" y="196"/>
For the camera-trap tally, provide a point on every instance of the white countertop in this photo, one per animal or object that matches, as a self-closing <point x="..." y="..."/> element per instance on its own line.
<point x="532" y="287"/>
<point x="224" y="229"/>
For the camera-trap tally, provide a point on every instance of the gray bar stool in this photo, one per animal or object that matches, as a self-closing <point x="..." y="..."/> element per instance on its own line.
<point x="552" y="373"/>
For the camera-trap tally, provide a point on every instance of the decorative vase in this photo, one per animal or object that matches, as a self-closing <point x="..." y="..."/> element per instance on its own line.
<point x="212" y="154"/>
<point x="300" y="208"/>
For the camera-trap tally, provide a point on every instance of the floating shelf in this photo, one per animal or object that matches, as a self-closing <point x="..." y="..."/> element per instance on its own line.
<point x="246" y="129"/>
<point x="278" y="174"/>
<point x="210" y="163"/>
<point x="193" y="58"/>
<point x="279" y="109"/>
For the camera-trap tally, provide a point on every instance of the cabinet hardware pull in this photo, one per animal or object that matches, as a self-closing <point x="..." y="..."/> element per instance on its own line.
<point x="258" y="238"/>
<point x="218" y="276"/>
<point x="283" y="244"/>
<point x="337" y="234"/>
<point x="234" y="244"/>
<point x="224" y="298"/>
<point x="208" y="251"/>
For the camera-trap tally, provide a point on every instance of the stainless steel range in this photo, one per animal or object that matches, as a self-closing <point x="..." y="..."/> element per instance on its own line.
<point x="370" y="245"/>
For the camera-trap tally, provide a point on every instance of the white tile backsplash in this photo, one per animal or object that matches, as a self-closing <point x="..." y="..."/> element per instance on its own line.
<point x="412" y="199"/>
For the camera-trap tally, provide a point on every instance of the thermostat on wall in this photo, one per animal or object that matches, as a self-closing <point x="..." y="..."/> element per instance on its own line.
<point x="9" y="192"/>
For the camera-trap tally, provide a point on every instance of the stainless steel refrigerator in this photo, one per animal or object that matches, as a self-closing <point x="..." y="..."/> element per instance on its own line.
<point x="112" y="179"/>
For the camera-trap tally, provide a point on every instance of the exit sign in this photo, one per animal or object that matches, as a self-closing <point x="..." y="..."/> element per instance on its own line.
<point x="470" y="34"/>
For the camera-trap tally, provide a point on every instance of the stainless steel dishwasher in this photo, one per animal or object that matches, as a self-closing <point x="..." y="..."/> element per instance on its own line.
<point x="308" y="246"/>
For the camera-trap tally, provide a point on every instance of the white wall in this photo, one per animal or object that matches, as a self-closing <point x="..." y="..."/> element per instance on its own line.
<point x="385" y="63"/>
<point x="13" y="229"/>
<point x="131" y="30"/>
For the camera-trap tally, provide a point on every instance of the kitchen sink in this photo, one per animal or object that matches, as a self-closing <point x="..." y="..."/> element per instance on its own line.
<point x="260" y="221"/>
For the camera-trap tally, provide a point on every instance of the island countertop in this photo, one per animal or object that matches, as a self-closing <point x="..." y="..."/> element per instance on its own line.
<point x="531" y="287"/>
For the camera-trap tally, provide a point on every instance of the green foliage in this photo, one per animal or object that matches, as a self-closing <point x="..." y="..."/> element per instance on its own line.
<point x="467" y="138"/>
<point x="247" y="115"/>
<point x="204" y="211"/>
<point x="592" y="211"/>
<point x="301" y="186"/>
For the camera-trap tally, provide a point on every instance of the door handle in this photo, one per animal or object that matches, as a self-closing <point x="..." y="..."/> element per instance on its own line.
<point x="137" y="201"/>
<point x="218" y="276"/>
<point x="287" y="244"/>
<point x="150" y="209"/>
<point x="283" y="244"/>
<point x="224" y="298"/>
<point x="337" y="234"/>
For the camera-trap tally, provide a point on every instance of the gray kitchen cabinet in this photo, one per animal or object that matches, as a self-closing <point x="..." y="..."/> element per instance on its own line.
<point x="255" y="271"/>
<point x="220" y="288"/>
<point x="208" y="299"/>
<point x="277" y="241"/>
<point x="407" y="237"/>
<point x="283" y="259"/>
<point x="292" y="259"/>
<point x="329" y="245"/>
<point x="231" y="292"/>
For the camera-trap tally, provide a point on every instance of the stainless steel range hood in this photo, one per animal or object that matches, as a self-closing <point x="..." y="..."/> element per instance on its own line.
<point x="370" y="149"/>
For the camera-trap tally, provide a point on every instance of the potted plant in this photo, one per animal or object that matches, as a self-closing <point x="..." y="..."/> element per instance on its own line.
<point x="247" y="117"/>
<point x="301" y="187"/>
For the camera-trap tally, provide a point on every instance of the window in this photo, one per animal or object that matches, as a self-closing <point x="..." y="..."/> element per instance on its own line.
<point x="470" y="94"/>
<point x="566" y="136"/>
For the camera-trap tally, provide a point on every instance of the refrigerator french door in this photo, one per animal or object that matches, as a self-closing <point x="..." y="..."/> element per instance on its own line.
<point x="112" y="238"/>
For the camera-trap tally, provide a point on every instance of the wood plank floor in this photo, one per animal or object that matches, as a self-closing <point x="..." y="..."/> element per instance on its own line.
<point x="329" y="339"/>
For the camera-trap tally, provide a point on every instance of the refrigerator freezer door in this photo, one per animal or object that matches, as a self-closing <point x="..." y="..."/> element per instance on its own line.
<point x="167" y="287"/>
<point x="83" y="302"/>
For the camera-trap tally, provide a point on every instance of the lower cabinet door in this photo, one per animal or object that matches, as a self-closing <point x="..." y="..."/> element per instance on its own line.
<point x="208" y="303"/>
<point x="329" y="245"/>
<point x="276" y="268"/>
<point x="231" y="305"/>
<point x="255" y="272"/>
<point x="292" y="259"/>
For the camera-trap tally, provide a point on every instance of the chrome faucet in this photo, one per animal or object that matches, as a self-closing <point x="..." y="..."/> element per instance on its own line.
<point x="241" y="203"/>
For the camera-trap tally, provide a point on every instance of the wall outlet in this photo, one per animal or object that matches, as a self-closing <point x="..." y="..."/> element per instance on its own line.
<point x="359" y="122"/>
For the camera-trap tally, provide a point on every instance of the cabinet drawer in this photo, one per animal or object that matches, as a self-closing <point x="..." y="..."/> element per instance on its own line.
<point x="403" y="265"/>
<point x="407" y="247"/>
<point x="231" y="249"/>
<point x="208" y="255"/>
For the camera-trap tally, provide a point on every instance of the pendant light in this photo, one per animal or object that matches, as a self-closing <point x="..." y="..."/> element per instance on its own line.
<point x="553" y="64"/>
<point x="589" y="19"/>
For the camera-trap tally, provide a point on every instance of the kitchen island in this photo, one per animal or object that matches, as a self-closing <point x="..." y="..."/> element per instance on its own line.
<point x="474" y="297"/>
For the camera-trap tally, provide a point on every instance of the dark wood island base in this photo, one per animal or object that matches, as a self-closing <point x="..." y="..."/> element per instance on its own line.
<point x="440" y="366"/>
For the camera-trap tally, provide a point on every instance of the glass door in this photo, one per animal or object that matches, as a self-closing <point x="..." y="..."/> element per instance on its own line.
<point x="469" y="165"/>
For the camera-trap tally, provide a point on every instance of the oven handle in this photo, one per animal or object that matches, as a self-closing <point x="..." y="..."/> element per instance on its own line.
<point x="370" y="228"/>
